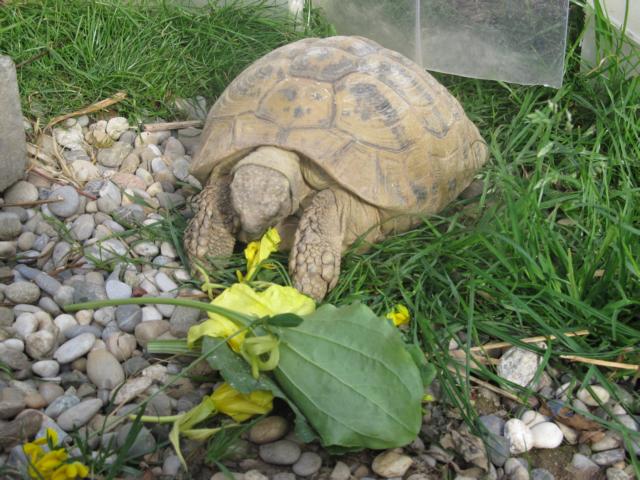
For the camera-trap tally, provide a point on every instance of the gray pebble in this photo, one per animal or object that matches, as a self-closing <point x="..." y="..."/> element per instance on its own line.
<point x="308" y="464"/>
<point x="46" y="368"/>
<point x="493" y="423"/>
<point x="7" y="250"/>
<point x="82" y="227"/>
<point x="117" y="290"/>
<point x="608" y="457"/>
<point x="64" y="296"/>
<point x="128" y="317"/>
<point x="617" y="474"/>
<point x="76" y="330"/>
<point x="47" y="283"/>
<point x="14" y="358"/>
<point x="541" y="474"/>
<point x="88" y="292"/>
<point x="113" y="156"/>
<point x="134" y="365"/>
<point x="6" y="316"/>
<point x="74" y="348"/>
<point x="69" y="204"/>
<point x="61" y="404"/>
<point x="104" y="370"/>
<point x="26" y="241"/>
<point x="79" y="414"/>
<point x="11" y="402"/>
<point x="21" y="192"/>
<point x="49" y="305"/>
<point x="10" y="226"/>
<point x="22" y="292"/>
<point x="181" y="320"/>
<point x="171" y="466"/>
<point x="282" y="452"/>
<point x="60" y="254"/>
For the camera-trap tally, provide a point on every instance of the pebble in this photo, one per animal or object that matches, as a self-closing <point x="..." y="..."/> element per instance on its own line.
<point x="532" y="418"/>
<point x="582" y="467"/>
<point x="608" y="457"/>
<point x="131" y="389"/>
<point x="164" y="283"/>
<point x="47" y="283"/>
<point x="11" y="402"/>
<point x="498" y="448"/>
<point x="82" y="227"/>
<point x="128" y="317"/>
<point x="144" y="442"/>
<point x="617" y="474"/>
<point x="13" y="358"/>
<point x="282" y="452"/>
<point x="69" y="204"/>
<point x="171" y="466"/>
<point x="116" y="126"/>
<point x="121" y="345"/>
<point x="341" y="471"/>
<point x="391" y="463"/>
<point x="114" y="155"/>
<point x="600" y="395"/>
<point x="150" y="313"/>
<point x="46" y="368"/>
<point x="50" y="391"/>
<point x="182" y="319"/>
<point x="268" y="430"/>
<point x="146" y="249"/>
<point x="21" y="192"/>
<point x="10" y="227"/>
<point x="104" y="370"/>
<point x="25" y="324"/>
<point x="518" y="366"/>
<point x="85" y="171"/>
<point x="519" y="436"/>
<point x="7" y="250"/>
<point x="79" y="414"/>
<point x="22" y="292"/>
<point x="546" y="435"/>
<point x="64" y="296"/>
<point x="609" y="442"/>
<point x="150" y="330"/>
<point x="514" y="469"/>
<point x="40" y="345"/>
<point x="6" y="316"/>
<point x="74" y="348"/>
<point x="493" y="423"/>
<point x="117" y="290"/>
<point x="64" y="322"/>
<point x="308" y="464"/>
<point x="26" y="241"/>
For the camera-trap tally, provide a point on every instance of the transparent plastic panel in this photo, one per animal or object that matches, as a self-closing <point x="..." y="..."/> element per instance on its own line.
<point x="519" y="41"/>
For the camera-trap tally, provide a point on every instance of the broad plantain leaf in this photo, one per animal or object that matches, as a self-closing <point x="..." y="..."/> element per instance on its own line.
<point x="284" y="320"/>
<point x="237" y="373"/>
<point x="349" y="373"/>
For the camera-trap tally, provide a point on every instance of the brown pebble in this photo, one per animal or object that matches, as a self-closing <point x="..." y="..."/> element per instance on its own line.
<point x="268" y="430"/>
<point x="22" y="429"/>
<point x="79" y="364"/>
<point x="361" y="471"/>
<point x="35" y="400"/>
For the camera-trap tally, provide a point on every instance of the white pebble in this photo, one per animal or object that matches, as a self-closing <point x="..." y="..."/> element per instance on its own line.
<point x="150" y="313"/>
<point x="164" y="283"/>
<point x="46" y="368"/>
<point x="117" y="290"/>
<point x="146" y="249"/>
<point x="532" y="418"/>
<point x="14" y="344"/>
<point x="546" y="435"/>
<point x="600" y="394"/>
<point x="519" y="435"/>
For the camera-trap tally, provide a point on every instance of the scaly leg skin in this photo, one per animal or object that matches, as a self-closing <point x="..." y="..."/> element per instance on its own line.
<point x="314" y="262"/>
<point x="210" y="233"/>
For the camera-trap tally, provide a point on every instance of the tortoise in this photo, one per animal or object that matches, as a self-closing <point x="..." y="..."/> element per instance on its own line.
<point x="329" y="140"/>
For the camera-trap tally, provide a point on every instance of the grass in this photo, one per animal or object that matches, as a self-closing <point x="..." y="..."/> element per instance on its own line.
<point x="552" y="244"/>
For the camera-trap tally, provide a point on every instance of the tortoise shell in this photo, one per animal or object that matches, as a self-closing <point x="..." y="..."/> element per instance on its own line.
<point x="372" y="120"/>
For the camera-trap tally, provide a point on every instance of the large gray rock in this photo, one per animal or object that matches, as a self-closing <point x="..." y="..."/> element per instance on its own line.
<point x="13" y="144"/>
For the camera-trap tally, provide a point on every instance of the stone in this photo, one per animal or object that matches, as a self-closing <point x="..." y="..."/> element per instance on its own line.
<point x="74" y="348"/>
<point x="47" y="283"/>
<point x="117" y="290"/>
<point x="308" y="464"/>
<point x="182" y="319"/>
<point x="608" y="457"/>
<point x="14" y="359"/>
<point x="25" y="324"/>
<point x="150" y="313"/>
<point x="82" y="227"/>
<point x="609" y="442"/>
<point x="7" y="250"/>
<point x="10" y="226"/>
<point x="583" y="468"/>
<point x="532" y="418"/>
<point x="14" y="344"/>
<point x="11" y="402"/>
<point x="254" y="475"/>
<point x="13" y="146"/>
<point x="46" y="368"/>
<point x="519" y="436"/>
<point x="40" y="345"/>
<point x="515" y="469"/>
<point x="26" y="240"/>
<point x="546" y="435"/>
<point x="22" y="292"/>
<point x="134" y="365"/>
<point x="144" y="442"/>
<point x="132" y="389"/>
<point x="268" y="430"/>
<point x="171" y="466"/>
<point x="341" y="471"/>
<point x="617" y="474"/>
<point x="69" y="204"/>
<point x="64" y="296"/>
<point x="600" y="395"/>
<point x="150" y="330"/>
<point x="498" y="448"/>
<point x="21" y="192"/>
<point x="128" y="317"/>
<point x="282" y="452"/>
<point x="84" y="171"/>
<point x="190" y="138"/>
<point x="79" y="414"/>
<point x="61" y="253"/>
<point x="493" y="423"/>
<point x="518" y="366"/>
<point x="20" y="430"/>
<point x="146" y="249"/>
<point x="50" y="391"/>
<point x="104" y="370"/>
<point x="121" y="345"/>
<point x="71" y="138"/>
<point x="165" y="283"/>
<point x="116" y="126"/>
<point x="114" y="155"/>
<point x="34" y="400"/>
<point x="391" y="463"/>
<point x="6" y="316"/>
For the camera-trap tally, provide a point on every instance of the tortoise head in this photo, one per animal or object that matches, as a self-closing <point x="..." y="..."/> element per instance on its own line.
<point x="265" y="190"/>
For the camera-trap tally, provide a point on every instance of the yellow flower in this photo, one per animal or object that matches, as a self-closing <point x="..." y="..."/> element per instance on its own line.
<point x="70" y="471"/>
<point x="241" y="406"/>
<point x="399" y="315"/>
<point x="258" y="251"/>
<point x="240" y="297"/>
<point x="51" y="465"/>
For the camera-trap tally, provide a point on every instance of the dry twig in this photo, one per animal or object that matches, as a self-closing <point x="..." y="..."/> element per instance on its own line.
<point x="94" y="107"/>
<point x="156" y="127"/>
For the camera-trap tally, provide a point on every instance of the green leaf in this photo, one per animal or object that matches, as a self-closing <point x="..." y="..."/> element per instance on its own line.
<point x="350" y="374"/>
<point x="237" y="373"/>
<point x="427" y="370"/>
<point x="286" y="320"/>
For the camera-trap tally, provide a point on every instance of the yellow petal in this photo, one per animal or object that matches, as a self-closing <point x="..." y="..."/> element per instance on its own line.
<point x="240" y="297"/>
<point x="399" y="315"/>
<point x="240" y="406"/>
<point x="52" y="436"/>
<point x="257" y="252"/>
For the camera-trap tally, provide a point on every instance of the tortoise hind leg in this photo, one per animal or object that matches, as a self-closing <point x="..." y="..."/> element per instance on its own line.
<point x="210" y="232"/>
<point x="314" y="262"/>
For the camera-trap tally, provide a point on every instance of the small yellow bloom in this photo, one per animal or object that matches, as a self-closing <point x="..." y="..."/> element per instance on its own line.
<point x="240" y="297"/>
<point x="258" y="251"/>
<point x="399" y="315"/>
<point x="51" y="465"/>
<point x="240" y="406"/>
<point x="71" y="471"/>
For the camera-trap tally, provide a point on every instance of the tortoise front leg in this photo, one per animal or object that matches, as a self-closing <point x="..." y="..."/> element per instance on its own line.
<point x="314" y="262"/>
<point x="210" y="233"/>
